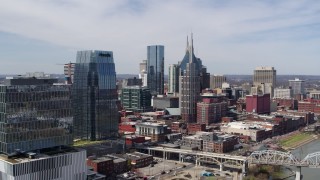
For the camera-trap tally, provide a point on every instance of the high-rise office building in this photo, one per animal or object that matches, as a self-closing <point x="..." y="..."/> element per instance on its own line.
<point x="155" y="69"/>
<point x="69" y="72"/>
<point x="204" y="78"/>
<point x="298" y="86"/>
<point x="32" y="110"/>
<point x="265" y="78"/>
<point x="216" y="81"/>
<point x="136" y="98"/>
<point x="94" y="96"/>
<point x="36" y="129"/>
<point x="173" y="78"/>
<point x="189" y="86"/>
<point x="143" y="75"/>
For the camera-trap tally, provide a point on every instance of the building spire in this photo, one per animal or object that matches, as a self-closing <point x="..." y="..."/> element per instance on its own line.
<point x="191" y="50"/>
<point x="187" y="44"/>
<point x="192" y="42"/>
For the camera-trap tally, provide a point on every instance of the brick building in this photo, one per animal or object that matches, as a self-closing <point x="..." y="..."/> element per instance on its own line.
<point x="306" y="106"/>
<point x="288" y="104"/>
<point x="130" y="140"/>
<point x="138" y="160"/>
<point x="102" y="165"/>
<point x="259" y="104"/>
<point x="209" y="112"/>
<point x="193" y="128"/>
<point x="127" y="127"/>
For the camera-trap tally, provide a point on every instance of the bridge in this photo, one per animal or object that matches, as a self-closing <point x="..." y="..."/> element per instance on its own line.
<point x="222" y="160"/>
<point x="271" y="157"/>
<point x="267" y="157"/>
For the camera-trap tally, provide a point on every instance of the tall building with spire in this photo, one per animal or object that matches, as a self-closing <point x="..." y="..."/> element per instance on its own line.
<point x="189" y="84"/>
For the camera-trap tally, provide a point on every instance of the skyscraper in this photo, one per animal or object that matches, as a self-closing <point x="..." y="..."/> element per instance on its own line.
<point x="69" y="72"/>
<point x="297" y="85"/>
<point x="94" y="96"/>
<point x="32" y="110"/>
<point x="155" y="69"/>
<point x="173" y="78"/>
<point x="143" y="72"/>
<point x="216" y="81"/>
<point x="36" y="131"/>
<point x="189" y="86"/>
<point x="265" y="79"/>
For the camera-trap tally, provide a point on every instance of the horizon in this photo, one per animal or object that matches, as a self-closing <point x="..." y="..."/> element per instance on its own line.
<point x="230" y="37"/>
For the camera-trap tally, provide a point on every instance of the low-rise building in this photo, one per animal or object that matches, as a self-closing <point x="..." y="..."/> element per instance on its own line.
<point x="127" y="127"/>
<point x="174" y="137"/>
<point x="138" y="160"/>
<point x="194" y="142"/>
<point x="256" y="132"/>
<point x="193" y="128"/>
<point x="131" y="140"/>
<point x="157" y="132"/>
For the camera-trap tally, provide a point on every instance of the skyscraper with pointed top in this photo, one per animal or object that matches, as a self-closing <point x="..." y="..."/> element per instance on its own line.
<point x="189" y="84"/>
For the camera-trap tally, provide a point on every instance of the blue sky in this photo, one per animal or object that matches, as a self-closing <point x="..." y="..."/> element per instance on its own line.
<point x="231" y="37"/>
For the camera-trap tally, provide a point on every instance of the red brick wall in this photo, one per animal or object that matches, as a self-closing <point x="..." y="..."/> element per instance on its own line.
<point x="261" y="104"/>
<point x="127" y="128"/>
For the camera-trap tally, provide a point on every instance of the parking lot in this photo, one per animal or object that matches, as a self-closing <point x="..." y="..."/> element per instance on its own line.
<point x="166" y="166"/>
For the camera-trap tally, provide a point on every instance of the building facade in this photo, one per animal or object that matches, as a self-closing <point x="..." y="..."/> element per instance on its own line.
<point x="143" y="75"/>
<point x="265" y="77"/>
<point x="36" y="131"/>
<point x="259" y="104"/>
<point x="34" y="114"/>
<point x="173" y="78"/>
<point x="216" y="81"/>
<point x="94" y="96"/>
<point x="157" y="132"/>
<point x="189" y="87"/>
<point x="283" y="93"/>
<point x="298" y="86"/>
<point x="155" y="69"/>
<point x="209" y="112"/>
<point x="68" y="70"/>
<point x="136" y="98"/>
<point x="61" y="166"/>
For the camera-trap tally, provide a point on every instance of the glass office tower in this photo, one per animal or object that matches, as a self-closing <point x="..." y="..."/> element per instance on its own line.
<point x="34" y="114"/>
<point x="94" y="96"/>
<point x="155" y="69"/>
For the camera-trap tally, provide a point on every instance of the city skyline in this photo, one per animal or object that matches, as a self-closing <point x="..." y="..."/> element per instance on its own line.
<point x="231" y="37"/>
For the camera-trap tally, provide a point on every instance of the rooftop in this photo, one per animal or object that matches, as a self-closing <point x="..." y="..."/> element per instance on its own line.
<point x="21" y="157"/>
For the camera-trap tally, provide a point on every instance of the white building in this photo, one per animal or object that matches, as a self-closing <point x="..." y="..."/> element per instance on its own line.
<point x="56" y="166"/>
<point x="155" y="131"/>
<point x="283" y="93"/>
<point x="314" y="94"/>
<point x="297" y="86"/>
<point x="216" y="81"/>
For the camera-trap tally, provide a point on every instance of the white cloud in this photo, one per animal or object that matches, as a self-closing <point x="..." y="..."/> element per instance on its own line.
<point x="233" y="31"/>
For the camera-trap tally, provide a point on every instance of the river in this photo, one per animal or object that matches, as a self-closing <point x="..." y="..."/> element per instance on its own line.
<point x="308" y="173"/>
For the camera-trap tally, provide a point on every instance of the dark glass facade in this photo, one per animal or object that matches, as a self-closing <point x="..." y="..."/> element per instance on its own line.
<point x="94" y="96"/>
<point x="34" y="114"/>
<point x="136" y="98"/>
<point x="155" y="69"/>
